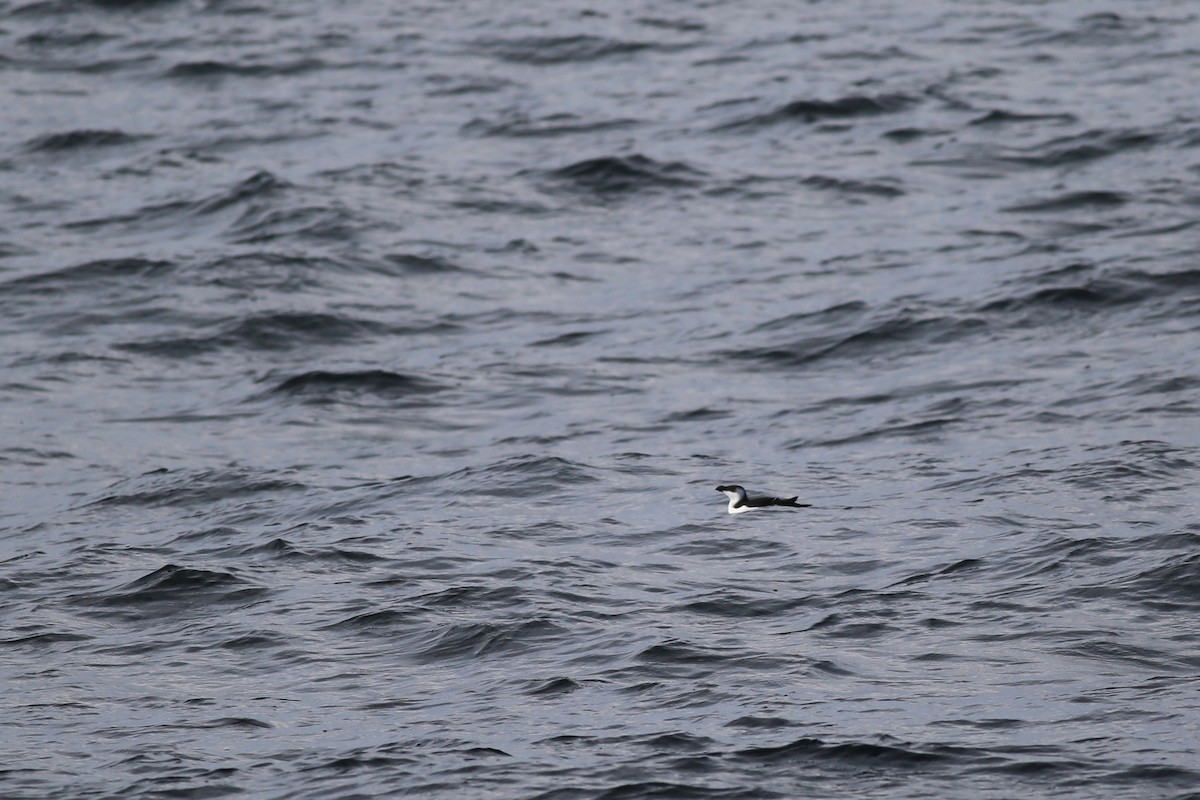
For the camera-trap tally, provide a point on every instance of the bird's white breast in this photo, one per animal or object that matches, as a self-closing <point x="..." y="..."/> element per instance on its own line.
<point x="735" y="497"/>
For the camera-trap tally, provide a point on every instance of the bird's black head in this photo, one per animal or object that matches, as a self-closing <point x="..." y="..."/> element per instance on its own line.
<point x="733" y="487"/>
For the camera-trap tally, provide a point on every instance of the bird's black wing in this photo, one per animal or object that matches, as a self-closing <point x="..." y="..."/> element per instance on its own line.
<point x="762" y="502"/>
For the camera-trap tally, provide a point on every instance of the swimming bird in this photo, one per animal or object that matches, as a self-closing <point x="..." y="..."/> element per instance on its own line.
<point x="740" y="502"/>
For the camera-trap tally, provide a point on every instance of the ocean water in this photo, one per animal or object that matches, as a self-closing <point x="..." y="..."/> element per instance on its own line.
<point x="367" y="369"/>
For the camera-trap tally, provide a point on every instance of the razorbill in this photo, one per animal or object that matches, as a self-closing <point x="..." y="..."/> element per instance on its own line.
<point x="740" y="502"/>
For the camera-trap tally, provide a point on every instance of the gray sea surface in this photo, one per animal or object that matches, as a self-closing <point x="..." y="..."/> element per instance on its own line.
<point x="367" y="370"/>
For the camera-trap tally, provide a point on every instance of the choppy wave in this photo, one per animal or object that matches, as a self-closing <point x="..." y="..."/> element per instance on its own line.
<point x="815" y="110"/>
<point x="191" y="488"/>
<point x="552" y="50"/>
<point x="210" y="69"/>
<point x="81" y="139"/>
<point x="613" y="174"/>
<point x="183" y="587"/>
<point x="319" y="386"/>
